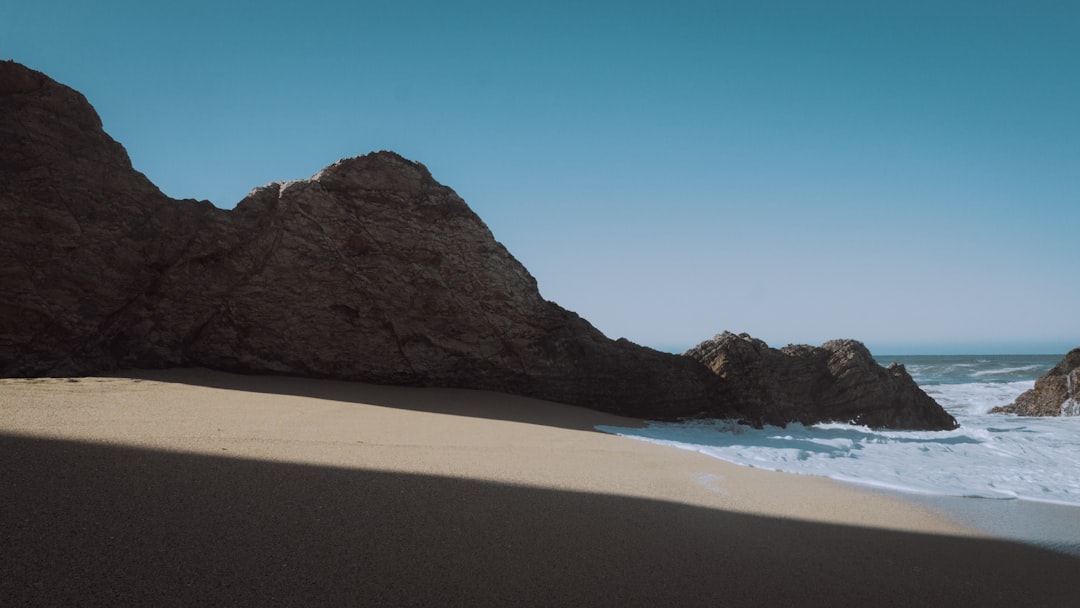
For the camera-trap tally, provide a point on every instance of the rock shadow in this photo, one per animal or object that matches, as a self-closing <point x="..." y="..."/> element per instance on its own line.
<point x="96" y="525"/>
<point x="453" y="401"/>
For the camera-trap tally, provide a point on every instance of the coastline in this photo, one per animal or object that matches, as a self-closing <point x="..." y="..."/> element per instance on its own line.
<point x="207" y="485"/>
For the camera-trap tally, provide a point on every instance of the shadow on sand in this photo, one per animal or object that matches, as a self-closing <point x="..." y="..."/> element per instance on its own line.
<point x="452" y="401"/>
<point x="93" y="525"/>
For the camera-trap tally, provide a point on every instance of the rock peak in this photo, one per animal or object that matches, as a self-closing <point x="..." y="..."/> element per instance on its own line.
<point x="383" y="170"/>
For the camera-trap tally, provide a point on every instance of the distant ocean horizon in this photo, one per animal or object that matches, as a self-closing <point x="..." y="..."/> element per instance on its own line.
<point x="1014" y="476"/>
<point x="893" y="352"/>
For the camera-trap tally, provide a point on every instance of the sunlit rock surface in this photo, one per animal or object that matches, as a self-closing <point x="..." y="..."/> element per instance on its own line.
<point x="1055" y="394"/>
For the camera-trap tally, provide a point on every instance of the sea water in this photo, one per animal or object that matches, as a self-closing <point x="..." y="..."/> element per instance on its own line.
<point x="1014" y="476"/>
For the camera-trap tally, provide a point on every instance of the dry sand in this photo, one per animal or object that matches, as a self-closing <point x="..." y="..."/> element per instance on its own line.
<point x="197" y="488"/>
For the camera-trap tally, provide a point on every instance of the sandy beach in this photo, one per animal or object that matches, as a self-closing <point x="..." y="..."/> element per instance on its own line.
<point x="192" y="487"/>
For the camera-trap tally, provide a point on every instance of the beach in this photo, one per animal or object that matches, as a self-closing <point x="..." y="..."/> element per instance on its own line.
<point x="193" y="487"/>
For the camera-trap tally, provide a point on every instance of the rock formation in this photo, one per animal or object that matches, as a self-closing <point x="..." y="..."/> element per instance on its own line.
<point x="370" y="270"/>
<point x="838" y="381"/>
<point x="1055" y="394"/>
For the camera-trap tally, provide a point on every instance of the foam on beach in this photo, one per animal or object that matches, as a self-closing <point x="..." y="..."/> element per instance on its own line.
<point x="995" y="457"/>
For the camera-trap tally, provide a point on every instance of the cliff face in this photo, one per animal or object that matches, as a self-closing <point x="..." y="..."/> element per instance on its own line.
<point x="82" y="234"/>
<point x="1055" y="394"/>
<point x="370" y="270"/>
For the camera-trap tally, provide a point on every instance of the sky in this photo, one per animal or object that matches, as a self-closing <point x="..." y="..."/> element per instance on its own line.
<point x="902" y="173"/>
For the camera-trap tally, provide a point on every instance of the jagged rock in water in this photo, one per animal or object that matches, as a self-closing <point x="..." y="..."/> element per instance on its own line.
<point x="838" y="381"/>
<point x="1057" y="393"/>
<point x="370" y="270"/>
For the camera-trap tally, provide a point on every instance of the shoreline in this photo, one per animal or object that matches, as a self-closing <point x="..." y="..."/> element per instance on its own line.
<point x="204" y="485"/>
<point x="1048" y="525"/>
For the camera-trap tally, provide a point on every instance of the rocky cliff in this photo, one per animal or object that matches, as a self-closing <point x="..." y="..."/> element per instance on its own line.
<point x="370" y="270"/>
<point x="1055" y="394"/>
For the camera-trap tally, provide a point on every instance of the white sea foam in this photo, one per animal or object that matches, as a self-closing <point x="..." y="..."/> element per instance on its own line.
<point x="1004" y="371"/>
<point x="1071" y="407"/>
<point x="999" y="457"/>
<point x="1020" y="459"/>
<point x="977" y="397"/>
<point x="989" y="456"/>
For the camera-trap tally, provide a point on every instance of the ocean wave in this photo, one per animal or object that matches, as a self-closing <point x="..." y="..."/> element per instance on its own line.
<point x="976" y="397"/>
<point x="1004" y="371"/>
<point x="998" y="457"/>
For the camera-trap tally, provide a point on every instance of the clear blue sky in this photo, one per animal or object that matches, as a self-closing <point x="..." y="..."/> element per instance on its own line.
<point x="904" y="173"/>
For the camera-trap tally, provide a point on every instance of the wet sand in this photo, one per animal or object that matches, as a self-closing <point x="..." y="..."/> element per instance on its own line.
<point x="192" y="487"/>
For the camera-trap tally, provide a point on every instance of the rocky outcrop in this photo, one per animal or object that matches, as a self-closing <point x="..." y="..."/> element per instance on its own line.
<point x="838" y="381"/>
<point x="1055" y="394"/>
<point x="370" y="270"/>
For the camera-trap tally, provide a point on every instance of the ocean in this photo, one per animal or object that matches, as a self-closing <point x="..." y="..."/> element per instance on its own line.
<point x="1016" y="477"/>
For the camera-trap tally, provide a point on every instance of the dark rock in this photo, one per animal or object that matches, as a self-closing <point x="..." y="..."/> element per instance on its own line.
<point x="370" y="270"/>
<point x="838" y="382"/>
<point x="82" y="234"/>
<point x="1055" y="394"/>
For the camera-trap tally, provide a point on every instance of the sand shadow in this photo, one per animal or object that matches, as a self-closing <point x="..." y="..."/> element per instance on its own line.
<point x="452" y="401"/>
<point x="86" y="524"/>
